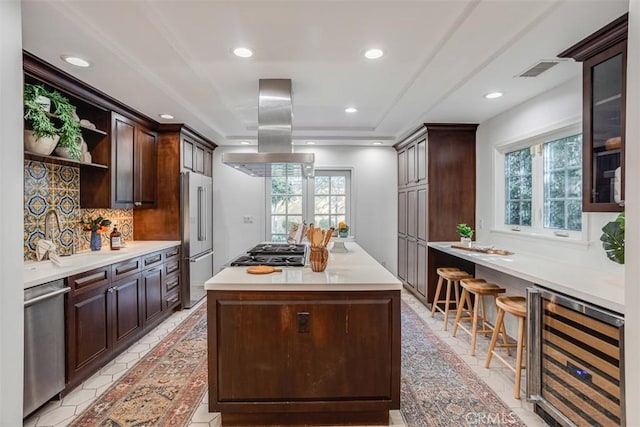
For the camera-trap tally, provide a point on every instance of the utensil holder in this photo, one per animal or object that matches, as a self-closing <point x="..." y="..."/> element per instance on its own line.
<point x="318" y="258"/>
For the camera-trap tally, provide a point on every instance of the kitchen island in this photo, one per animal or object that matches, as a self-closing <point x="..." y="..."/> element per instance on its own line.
<point x="300" y="347"/>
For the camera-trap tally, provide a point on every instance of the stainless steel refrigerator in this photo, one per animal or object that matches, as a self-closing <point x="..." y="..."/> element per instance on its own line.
<point x="197" y="239"/>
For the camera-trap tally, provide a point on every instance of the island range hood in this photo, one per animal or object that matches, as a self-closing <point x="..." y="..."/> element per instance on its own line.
<point x="275" y="156"/>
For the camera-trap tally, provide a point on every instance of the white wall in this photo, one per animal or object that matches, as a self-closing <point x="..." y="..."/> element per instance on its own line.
<point x="551" y="110"/>
<point x="11" y="169"/>
<point x="632" y="230"/>
<point x="374" y="201"/>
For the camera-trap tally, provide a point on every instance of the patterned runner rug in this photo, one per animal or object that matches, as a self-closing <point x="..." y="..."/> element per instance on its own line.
<point x="164" y="388"/>
<point x="438" y="388"/>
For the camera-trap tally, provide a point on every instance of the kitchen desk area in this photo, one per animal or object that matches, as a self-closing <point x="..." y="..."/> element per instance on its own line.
<point x="304" y="347"/>
<point x="575" y="322"/>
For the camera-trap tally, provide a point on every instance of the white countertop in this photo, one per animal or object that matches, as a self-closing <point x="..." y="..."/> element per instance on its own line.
<point x="354" y="270"/>
<point x="38" y="272"/>
<point x="603" y="289"/>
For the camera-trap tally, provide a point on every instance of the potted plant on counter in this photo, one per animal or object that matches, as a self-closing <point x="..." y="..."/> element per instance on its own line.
<point x="466" y="233"/>
<point x="43" y="124"/>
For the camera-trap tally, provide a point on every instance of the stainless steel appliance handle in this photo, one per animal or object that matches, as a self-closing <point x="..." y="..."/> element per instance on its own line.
<point x="534" y="342"/>
<point x="200" y="205"/>
<point x="201" y="257"/>
<point x="46" y="296"/>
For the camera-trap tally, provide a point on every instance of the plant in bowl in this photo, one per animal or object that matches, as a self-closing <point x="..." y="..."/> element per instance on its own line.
<point x="466" y="233"/>
<point x="43" y="136"/>
<point x="41" y="121"/>
<point x="343" y="229"/>
<point x="613" y="239"/>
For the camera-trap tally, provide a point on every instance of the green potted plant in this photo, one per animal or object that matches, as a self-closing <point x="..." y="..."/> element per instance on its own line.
<point x="43" y="136"/>
<point x="44" y="127"/>
<point x="466" y="233"/>
<point x="613" y="239"/>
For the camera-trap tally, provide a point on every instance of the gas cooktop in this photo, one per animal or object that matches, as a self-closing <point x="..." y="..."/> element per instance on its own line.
<point x="277" y="249"/>
<point x="273" y="254"/>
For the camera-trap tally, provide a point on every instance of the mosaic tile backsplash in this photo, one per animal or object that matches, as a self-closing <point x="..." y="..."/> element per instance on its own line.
<point x="55" y="187"/>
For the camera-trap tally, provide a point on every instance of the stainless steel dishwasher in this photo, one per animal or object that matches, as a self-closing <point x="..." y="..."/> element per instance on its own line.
<point x="43" y="343"/>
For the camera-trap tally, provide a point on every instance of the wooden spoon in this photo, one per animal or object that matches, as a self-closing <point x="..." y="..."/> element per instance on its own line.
<point x="262" y="269"/>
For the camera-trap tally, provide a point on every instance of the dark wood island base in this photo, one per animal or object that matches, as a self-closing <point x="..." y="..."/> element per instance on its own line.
<point x="304" y="357"/>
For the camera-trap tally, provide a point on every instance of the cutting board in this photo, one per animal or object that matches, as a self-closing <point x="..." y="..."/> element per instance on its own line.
<point x="262" y="269"/>
<point x="482" y="250"/>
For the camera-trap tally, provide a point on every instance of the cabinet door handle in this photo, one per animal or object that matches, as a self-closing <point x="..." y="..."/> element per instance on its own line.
<point x="111" y="289"/>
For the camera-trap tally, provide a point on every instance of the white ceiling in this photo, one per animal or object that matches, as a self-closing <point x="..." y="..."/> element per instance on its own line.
<point x="440" y="58"/>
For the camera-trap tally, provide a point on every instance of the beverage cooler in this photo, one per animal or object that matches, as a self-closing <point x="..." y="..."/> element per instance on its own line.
<point x="575" y="361"/>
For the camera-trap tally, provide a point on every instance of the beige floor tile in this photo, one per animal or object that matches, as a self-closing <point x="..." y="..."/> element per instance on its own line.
<point x="113" y="368"/>
<point x="97" y="381"/>
<point x="78" y="396"/>
<point x="56" y="416"/>
<point x="202" y="414"/>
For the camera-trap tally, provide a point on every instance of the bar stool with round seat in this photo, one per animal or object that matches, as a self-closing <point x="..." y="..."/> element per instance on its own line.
<point x="452" y="275"/>
<point x="516" y="306"/>
<point x="479" y="324"/>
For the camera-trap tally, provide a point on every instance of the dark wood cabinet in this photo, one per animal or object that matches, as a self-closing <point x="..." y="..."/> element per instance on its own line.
<point x="604" y="58"/>
<point x="176" y="148"/>
<point x="293" y="351"/>
<point x="126" y="300"/>
<point x="110" y="307"/>
<point x="152" y="288"/>
<point x="437" y="194"/>
<point x="134" y="164"/>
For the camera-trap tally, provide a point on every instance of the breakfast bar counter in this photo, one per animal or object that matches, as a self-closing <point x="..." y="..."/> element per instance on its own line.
<point x="603" y="289"/>
<point x="299" y="347"/>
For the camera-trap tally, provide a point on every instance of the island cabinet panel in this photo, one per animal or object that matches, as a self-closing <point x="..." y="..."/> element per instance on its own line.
<point x="437" y="194"/>
<point x="302" y="353"/>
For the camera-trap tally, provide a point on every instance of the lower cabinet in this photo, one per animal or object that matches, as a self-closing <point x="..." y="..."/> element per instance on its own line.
<point x="110" y="307"/>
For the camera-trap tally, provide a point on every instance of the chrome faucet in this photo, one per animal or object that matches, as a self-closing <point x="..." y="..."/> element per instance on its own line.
<point x="46" y="223"/>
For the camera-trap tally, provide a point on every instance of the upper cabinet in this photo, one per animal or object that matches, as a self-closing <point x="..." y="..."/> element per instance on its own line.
<point x="134" y="164"/>
<point x="604" y="58"/>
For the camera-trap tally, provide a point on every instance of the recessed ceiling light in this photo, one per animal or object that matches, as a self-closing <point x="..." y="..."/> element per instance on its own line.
<point x="311" y="142"/>
<point x="243" y="52"/>
<point x="350" y="110"/>
<point x="165" y="116"/>
<point x="377" y="143"/>
<point x="75" y="60"/>
<point x="244" y="143"/>
<point x="493" y="95"/>
<point x="373" y="53"/>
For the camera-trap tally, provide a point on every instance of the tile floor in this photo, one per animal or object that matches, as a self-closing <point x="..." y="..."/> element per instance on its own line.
<point x="61" y="413"/>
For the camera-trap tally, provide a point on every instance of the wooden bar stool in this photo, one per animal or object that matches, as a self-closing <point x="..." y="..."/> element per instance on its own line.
<point x="518" y="307"/>
<point x="452" y="275"/>
<point x="479" y="324"/>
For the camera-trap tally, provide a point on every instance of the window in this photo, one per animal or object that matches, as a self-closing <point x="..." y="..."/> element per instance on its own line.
<point x="543" y="185"/>
<point x="286" y="205"/>
<point x="323" y="201"/>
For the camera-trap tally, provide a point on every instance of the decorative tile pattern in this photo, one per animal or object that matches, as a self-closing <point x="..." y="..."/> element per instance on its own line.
<point x="49" y="186"/>
<point x="122" y="218"/>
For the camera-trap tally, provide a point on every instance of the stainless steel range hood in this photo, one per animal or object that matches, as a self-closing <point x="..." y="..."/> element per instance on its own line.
<point x="275" y="156"/>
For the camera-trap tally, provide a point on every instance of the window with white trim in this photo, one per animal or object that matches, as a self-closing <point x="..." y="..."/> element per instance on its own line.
<point x="543" y="186"/>
<point x="323" y="200"/>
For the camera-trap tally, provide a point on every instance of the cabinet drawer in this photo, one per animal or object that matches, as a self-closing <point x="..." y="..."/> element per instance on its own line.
<point x="151" y="260"/>
<point x="171" y="300"/>
<point x="171" y="282"/>
<point x="172" y="266"/>
<point x="125" y="268"/>
<point x="171" y="253"/>
<point x="93" y="278"/>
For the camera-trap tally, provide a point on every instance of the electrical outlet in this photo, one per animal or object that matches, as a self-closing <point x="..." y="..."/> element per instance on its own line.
<point x="247" y="219"/>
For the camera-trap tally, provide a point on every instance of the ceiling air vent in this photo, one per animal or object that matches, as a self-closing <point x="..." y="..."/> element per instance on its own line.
<point x="538" y="69"/>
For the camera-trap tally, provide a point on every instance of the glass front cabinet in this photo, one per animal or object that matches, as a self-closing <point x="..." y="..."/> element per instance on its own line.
<point x="604" y="58"/>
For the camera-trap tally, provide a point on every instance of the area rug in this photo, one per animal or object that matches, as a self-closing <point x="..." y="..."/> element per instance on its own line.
<point x="164" y="388"/>
<point x="438" y="388"/>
